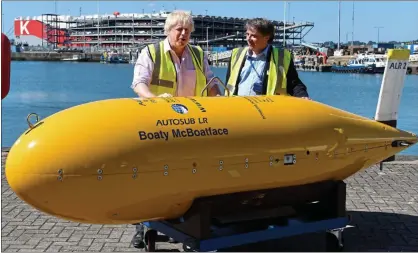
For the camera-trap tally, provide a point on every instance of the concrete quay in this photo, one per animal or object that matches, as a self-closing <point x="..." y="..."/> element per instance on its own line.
<point x="54" y="56"/>
<point x="383" y="206"/>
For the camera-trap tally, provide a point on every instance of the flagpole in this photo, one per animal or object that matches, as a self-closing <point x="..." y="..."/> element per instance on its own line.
<point x="284" y="25"/>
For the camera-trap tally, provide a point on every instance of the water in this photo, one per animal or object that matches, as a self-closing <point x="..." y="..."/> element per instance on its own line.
<point x="48" y="87"/>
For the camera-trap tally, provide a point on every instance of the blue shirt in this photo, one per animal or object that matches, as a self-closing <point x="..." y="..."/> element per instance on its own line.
<point x="251" y="76"/>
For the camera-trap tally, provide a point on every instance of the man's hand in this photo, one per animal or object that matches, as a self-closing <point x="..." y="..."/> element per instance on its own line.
<point x="165" y="95"/>
<point x="143" y="91"/>
<point x="214" y="90"/>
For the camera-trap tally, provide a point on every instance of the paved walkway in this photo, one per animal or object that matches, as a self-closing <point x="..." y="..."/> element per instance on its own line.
<point x="383" y="206"/>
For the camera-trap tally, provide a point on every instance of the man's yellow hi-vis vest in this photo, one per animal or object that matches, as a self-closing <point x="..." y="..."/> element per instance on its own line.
<point x="164" y="76"/>
<point x="279" y="64"/>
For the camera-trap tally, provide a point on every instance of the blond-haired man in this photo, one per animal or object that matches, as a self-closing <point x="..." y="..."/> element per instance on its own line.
<point x="173" y="67"/>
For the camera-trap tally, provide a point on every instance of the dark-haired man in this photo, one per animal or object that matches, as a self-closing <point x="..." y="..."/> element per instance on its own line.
<point x="260" y="68"/>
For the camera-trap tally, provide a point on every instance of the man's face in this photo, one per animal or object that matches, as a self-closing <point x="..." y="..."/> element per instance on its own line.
<point x="179" y="36"/>
<point x="256" y="41"/>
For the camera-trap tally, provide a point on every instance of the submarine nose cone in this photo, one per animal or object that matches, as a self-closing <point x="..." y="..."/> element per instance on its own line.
<point x="27" y="173"/>
<point x="46" y="169"/>
<point x="66" y="165"/>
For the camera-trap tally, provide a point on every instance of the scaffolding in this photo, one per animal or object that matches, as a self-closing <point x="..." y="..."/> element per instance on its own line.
<point x="292" y="32"/>
<point x="54" y="33"/>
<point x="211" y="29"/>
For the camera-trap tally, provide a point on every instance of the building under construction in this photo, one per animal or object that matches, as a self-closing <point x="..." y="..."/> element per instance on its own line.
<point x="138" y="29"/>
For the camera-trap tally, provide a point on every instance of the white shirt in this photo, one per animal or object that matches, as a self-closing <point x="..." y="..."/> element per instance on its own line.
<point x="186" y="75"/>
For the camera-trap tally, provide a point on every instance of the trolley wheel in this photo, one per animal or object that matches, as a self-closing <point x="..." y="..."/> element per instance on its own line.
<point x="150" y="239"/>
<point x="138" y="241"/>
<point x="193" y="245"/>
<point x="187" y="248"/>
<point x="334" y="241"/>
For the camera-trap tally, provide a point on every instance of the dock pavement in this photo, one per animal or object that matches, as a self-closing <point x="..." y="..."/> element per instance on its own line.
<point x="383" y="206"/>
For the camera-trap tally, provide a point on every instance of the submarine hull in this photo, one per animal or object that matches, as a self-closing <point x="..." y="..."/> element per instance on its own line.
<point x="123" y="161"/>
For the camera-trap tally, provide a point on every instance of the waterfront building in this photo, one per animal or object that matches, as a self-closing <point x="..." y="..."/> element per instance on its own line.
<point x="135" y="30"/>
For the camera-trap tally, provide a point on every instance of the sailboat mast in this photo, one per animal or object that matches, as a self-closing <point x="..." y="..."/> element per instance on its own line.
<point x="339" y="24"/>
<point x="284" y="25"/>
<point x="98" y="25"/>
<point x="352" y="31"/>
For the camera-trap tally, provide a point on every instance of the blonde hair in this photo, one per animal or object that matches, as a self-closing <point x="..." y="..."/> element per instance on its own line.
<point x="178" y="17"/>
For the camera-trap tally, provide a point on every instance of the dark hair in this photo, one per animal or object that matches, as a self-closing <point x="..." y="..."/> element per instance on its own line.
<point x="263" y="26"/>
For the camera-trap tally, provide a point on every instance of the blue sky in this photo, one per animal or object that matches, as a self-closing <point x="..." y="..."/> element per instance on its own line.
<point x="398" y="18"/>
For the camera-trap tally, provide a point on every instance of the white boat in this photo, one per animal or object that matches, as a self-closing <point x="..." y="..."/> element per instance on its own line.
<point x="76" y="58"/>
<point x="379" y="60"/>
<point x="374" y="62"/>
<point x="363" y="63"/>
<point x="356" y="63"/>
<point x="413" y="58"/>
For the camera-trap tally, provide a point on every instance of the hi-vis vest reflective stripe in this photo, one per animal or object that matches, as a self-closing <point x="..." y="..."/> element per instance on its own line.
<point x="279" y="64"/>
<point x="164" y="76"/>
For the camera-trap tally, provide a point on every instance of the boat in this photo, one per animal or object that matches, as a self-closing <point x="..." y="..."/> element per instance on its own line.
<point x="413" y="58"/>
<point x="353" y="66"/>
<point x="374" y="62"/>
<point x="116" y="59"/>
<point x="76" y="58"/>
<point x="113" y="57"/>
<point x="363" y="63"/>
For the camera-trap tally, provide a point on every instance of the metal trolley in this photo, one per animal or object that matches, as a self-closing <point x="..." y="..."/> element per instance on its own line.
<point x="225" y="221"/>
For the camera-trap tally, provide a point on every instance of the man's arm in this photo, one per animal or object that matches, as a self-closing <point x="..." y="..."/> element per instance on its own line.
<point x="228" y="73"/>
<point x="213" y="89"/>
<point x="142" y="75"/>
<point x="228" y="70"/>
<point x="295" y="86"/>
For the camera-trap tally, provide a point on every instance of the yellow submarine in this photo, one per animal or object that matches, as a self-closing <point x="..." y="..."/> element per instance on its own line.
<point x="123" y="161"/>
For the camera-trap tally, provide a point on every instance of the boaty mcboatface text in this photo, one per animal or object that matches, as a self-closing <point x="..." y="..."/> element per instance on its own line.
<point x="182" y="133"/>
<point x="178" y="133"/>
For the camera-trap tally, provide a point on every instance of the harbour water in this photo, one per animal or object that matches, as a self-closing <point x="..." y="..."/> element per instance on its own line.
<point x="48" y="87"/>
